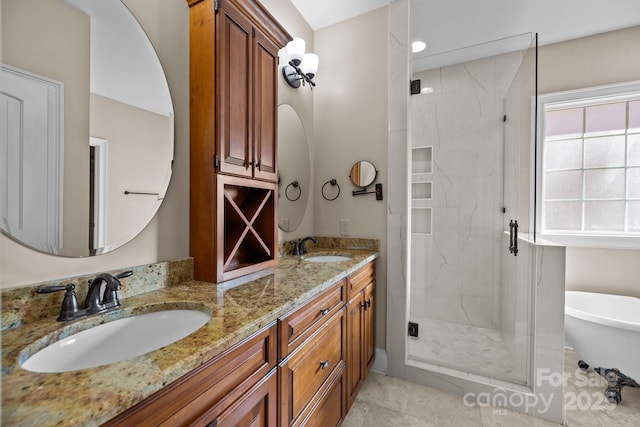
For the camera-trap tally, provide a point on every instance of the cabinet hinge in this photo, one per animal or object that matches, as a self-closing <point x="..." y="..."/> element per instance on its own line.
<point x="216" y="5"/>
<point x="216" y="162"/>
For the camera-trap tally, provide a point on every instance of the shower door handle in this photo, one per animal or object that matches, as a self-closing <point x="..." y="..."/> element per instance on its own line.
<point x="513" y="237"/>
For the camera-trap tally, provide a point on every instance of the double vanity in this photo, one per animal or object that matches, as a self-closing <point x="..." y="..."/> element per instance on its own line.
<point x="287" y="346"/>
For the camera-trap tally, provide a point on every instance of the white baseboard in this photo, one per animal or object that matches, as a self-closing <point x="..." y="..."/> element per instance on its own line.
<point x="380" y="364"/>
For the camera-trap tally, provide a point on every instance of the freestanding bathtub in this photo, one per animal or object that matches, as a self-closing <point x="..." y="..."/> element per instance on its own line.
<point x="605" y="332"/>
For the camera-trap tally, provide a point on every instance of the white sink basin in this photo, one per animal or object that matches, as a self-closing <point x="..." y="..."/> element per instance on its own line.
<point x="327" y="258"/>
<point x="115" y="341"/>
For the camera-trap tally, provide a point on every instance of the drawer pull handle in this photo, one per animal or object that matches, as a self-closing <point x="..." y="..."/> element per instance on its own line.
<point x="325" y="364"/>
<point x="325" y="311"/>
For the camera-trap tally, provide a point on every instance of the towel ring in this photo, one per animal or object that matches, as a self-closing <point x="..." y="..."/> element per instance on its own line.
<point x="294" y="184"/>
<point x="333" y="182"/>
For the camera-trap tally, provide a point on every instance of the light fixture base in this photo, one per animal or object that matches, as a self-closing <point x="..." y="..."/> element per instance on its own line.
<point x="291" y="76"/>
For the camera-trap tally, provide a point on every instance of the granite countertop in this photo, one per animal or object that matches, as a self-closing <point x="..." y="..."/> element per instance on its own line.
<point x="92" y="396"/>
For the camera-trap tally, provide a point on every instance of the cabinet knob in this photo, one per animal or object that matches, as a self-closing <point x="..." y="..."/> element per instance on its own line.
<point x="325" y="364"/>
<point x="324" y="311"/>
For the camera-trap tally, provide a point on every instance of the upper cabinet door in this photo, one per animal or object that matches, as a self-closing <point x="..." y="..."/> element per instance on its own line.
<point x="265" y="92"/>
<point x="234" y="83"/>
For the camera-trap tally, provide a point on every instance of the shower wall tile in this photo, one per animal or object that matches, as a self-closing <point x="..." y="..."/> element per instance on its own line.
<point x="397" y="276"/>
<point x="477" y="311"/>
<point x="550" y="262"/>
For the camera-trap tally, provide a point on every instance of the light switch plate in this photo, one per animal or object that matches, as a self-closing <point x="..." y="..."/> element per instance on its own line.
<point x="344" y="227"/>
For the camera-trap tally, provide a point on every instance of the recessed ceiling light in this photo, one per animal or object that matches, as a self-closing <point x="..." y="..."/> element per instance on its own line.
<point x="418" y="46"/>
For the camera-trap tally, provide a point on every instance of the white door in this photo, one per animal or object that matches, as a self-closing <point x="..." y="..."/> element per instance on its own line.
<point x="31" y="129"/>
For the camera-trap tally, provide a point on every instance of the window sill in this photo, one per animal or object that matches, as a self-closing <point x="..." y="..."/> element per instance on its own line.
<point x="594" y="241"/>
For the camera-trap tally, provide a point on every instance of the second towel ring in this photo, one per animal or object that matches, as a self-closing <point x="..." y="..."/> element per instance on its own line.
<point x="294" y="184"/>
<point x="333" y="182"/>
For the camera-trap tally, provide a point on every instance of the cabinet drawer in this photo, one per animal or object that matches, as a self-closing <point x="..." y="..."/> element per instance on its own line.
<point x="298" y="325"/>
<point x="361" y="278"/>
<point x="230" y="374"/>
<point x="307" y="369"/>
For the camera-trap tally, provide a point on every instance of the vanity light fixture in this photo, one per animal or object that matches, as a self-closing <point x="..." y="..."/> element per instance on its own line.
<point x="302" y="66"/>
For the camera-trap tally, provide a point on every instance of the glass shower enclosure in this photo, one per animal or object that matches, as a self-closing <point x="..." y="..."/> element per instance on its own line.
<point x="470" y="297"/>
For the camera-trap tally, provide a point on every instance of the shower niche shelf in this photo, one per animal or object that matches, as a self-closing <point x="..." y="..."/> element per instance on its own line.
<point x="421" y="190"/>
<point x="421" y="160"/>
<point x="421" y="220"/>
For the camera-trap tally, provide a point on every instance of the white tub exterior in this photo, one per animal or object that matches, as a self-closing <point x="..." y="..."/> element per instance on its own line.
<point x="605" y="330"/>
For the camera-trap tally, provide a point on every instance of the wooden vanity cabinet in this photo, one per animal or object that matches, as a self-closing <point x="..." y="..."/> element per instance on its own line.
<point x="360" y="329"/>
<point x="233" y="124"/>
<point x="303" y="370"/>
<point x="237" y="387"/>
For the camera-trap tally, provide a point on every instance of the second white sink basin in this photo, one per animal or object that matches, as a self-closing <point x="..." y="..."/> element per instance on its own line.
<point x="327" y="258"/>
<point x="116" y="341"/>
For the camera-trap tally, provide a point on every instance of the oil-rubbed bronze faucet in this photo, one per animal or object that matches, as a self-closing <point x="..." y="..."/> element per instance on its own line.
<point x="299" y="247"/>
<point x="93" y="304"/>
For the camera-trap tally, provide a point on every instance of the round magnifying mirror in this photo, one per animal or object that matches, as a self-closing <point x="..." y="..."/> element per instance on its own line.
<point x="363" y="173"/>
<point x="88" y="104"/>
<point x="293" y="169"/>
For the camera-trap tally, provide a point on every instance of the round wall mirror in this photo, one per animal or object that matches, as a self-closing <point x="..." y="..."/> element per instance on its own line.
<point x="293" y="169"/>
<point x="363" y="173"/>
<point x="89" y="143"/>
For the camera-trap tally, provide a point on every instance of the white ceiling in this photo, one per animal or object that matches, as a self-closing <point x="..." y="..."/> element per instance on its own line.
<point x="449" y="25"/>
<point x="322" y="13"/>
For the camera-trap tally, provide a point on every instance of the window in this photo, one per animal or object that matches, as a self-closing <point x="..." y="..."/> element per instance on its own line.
<point x="589" y="166"/>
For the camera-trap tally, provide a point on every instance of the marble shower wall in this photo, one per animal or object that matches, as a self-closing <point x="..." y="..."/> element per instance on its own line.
<point x="456" y="263"/>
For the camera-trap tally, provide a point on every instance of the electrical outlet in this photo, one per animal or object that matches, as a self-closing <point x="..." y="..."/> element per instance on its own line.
<point x="344" y="227"/>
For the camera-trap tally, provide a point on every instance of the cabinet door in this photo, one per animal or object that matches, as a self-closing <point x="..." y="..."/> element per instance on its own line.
<point x="265" y="99"/>
<point x="330" y="410"/>
<point x="369" y="344"/>
<point x="234" y="86"/>
<point x="355" y="356"/>
<point x="257" y="408"/>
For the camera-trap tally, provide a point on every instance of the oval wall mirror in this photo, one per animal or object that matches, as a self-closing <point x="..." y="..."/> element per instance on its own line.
<point x="293" y="169"/>
<point x="363" y="173"/>
<point x="90" y="126"/>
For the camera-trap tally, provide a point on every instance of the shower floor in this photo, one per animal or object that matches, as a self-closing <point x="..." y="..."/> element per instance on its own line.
<point x="468" y="348"/>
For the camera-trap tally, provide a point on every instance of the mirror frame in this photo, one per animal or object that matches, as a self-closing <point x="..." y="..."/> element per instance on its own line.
<point x="359" y="163"/>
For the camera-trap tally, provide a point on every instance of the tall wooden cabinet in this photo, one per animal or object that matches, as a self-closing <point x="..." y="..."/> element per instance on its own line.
<point x="233" y="78"/>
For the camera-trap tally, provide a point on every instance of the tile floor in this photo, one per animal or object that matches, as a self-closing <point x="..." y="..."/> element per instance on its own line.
<point x="447" y="343"/>
<point x="387" y="401"/>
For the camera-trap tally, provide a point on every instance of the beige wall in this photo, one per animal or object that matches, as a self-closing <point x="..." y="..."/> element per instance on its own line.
<point x="139" y="156"/>
<point x="166" y="237"/>
<point x="350" y="122"/>
<point x="591" y="61"/>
